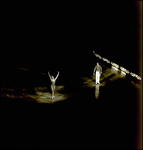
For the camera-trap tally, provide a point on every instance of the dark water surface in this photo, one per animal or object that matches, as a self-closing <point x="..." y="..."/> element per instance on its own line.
<point x="80" y="121"/>
<point x="37" y="37"/>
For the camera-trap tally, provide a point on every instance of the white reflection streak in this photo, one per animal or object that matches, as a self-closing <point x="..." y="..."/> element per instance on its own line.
<point x="104" y="59"/>
<point x="98" y="56"/>
<point x="127" y="71"/>
<point x="138" y="77"/>
<point x="132" y="74"/>
<point x="114" y="68"/>
<point x="123" y="69"/>
<point x="96" y="91"/>
<point x="123" y="72"/>
<point x="135" y="75"/>
<point x="115" y="65"/>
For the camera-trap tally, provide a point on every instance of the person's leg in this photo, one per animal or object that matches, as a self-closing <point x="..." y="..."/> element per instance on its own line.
<point x="52" y="88"/>
<point x="99" y="78"/>
<point x="96" y="77"/>
<point x="53" y="91"/>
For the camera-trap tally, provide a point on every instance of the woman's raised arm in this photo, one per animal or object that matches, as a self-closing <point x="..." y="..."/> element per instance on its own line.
<point x="57" y="75"/>
<point x="49" y="75"/>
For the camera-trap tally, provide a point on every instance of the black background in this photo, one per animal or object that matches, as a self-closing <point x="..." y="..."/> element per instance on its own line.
<point x="63" y="34"/>
<point x="59" y="35"/>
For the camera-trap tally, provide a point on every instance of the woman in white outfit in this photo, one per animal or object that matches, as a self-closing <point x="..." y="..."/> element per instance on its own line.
<point x="53" y="80"/>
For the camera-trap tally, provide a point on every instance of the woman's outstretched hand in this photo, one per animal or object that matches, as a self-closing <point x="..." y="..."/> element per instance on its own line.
<point x="48" y="73"/>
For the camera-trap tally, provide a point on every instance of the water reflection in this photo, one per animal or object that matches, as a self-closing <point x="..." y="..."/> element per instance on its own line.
<point x="90" y="82"/>
<point x="44" y="96"/>
<point x="97" y="91"/>
<point x="39" y="94"/>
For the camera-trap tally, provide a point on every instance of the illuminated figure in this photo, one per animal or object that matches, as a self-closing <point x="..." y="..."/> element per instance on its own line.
<point x="53" y="80"/>
<point x="98" y="70"/>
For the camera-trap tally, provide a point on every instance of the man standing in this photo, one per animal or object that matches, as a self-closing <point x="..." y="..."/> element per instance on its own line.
<point x="98" y="70"/>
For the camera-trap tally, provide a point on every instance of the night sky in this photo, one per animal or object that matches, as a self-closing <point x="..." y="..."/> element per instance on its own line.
<point x="64" y="34"/>
<point x="40" y="36"/>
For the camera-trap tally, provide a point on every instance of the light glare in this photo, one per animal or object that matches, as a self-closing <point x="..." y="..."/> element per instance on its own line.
<point x="104" y="59"/>
<point x="132" y="74"/>
<point x="138" y="77"/>
<point x="115" y="65"/>
<point x="123" y="72"/>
